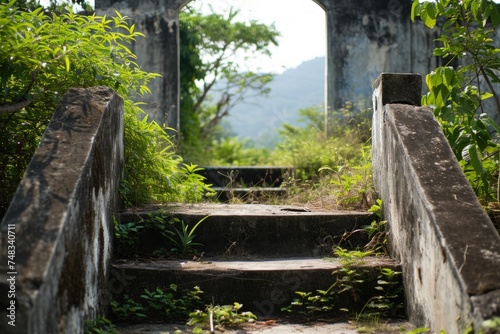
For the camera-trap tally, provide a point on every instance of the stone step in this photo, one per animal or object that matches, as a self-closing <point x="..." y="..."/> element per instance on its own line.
<point x="246" y="176"/>
<point x="262" y="285"/>
<point x="259" y="256"/>
<point x="248" y="195"/>
<point x="259" y="230"/>
<point x="284" y="326"/>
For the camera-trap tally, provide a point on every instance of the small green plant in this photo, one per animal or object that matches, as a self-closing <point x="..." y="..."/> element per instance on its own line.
<point x="222" y="316"/>
<point x="351" y="257"/>
<point x="388" y="302"/>
<point x="377" y="209"/>
<point x="159" y="304"/>
<point x="184" y="240"/>
<point x="101" y="325"/>
<point x="127" y="308"/>
<point x="177" y="240"/>
<point x="126" y="238"/>
<point x="127" y="232"/>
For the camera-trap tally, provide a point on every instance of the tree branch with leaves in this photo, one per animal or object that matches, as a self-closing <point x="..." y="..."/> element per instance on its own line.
<point x="213" y="79"/>
<point x="458" y="94"/>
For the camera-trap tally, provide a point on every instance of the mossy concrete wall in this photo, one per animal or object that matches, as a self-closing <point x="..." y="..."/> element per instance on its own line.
<point x="447" y="245"/>
<point x="56" y="237"/>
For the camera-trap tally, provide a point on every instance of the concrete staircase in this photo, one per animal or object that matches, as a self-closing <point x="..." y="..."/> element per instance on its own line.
<point x="256" y="255"/>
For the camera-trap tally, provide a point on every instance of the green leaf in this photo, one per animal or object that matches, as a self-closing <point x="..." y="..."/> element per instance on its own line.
<point x="428" y="14"/>
<point x="414" y="9"/>
<point x="474" y="159"/>
<point x="66" y="60"/>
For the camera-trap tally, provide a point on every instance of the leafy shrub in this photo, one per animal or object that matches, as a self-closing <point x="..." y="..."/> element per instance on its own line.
<point x="332" y="171"/>
<point x="308" y="149"/>
<point x="42" y="55"/>
<point x="458" y="95"/>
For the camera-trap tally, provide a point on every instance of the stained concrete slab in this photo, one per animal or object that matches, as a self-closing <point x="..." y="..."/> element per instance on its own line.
<point x="280" y="327"/>
<point x="240" y="209"/>
<point x="262" y="264"/>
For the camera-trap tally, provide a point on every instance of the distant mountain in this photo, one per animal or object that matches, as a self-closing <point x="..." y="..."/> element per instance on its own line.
<point x="298" y="88"/>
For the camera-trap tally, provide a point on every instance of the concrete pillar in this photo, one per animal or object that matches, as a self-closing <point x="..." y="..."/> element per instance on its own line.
<point x="367" y="37"/>
<point x="158" y="52"/>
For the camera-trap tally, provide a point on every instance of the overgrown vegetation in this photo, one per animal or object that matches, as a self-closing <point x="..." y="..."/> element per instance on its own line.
<point x="349" y="289"/>
<point x="44" y="54"/>
<point x="331" y="172"/>
<point x="459" y="94"/>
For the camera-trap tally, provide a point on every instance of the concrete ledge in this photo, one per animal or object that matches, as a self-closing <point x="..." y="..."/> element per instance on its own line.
<point x="60" y="221"/>
<point x="447" y="245"/>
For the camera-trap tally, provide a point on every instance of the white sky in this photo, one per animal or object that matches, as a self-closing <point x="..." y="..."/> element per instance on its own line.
<point x="301" y="24"/>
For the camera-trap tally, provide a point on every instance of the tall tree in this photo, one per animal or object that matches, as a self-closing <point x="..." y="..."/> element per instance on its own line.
<point x="212" y="79"/>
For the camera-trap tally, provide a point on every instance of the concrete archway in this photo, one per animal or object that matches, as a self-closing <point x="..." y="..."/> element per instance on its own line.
<point x="364" y="38"/>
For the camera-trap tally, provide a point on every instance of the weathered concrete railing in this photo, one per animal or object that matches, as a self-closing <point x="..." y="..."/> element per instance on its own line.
<point x="448" y="247"/>
<point x="55" y="242"/>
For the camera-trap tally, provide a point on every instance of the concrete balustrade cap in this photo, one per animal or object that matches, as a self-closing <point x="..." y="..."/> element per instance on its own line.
<point x="402" y="88"/>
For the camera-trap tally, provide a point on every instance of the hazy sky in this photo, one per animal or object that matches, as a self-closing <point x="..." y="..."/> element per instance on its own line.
<point x="301" y="24"/>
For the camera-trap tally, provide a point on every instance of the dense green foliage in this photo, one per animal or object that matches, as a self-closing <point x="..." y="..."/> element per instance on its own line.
<point x="308" y="149"/>
<point x="458" y="95"/>
<point x="212" y="82"/>
<point x="42" y="55"/>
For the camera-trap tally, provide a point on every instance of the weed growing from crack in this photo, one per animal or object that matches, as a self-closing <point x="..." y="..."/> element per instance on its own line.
<point x="388" y="301"/>
<point x="184" y="239"/>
